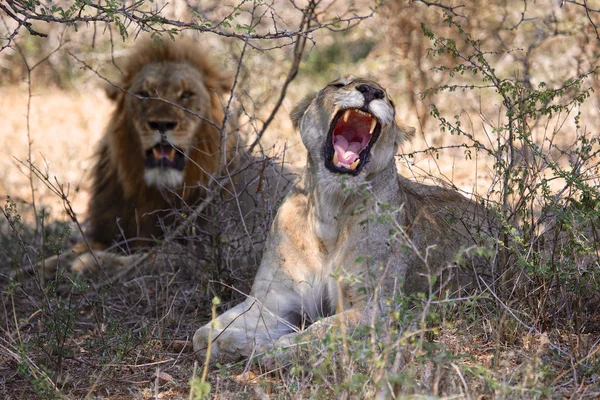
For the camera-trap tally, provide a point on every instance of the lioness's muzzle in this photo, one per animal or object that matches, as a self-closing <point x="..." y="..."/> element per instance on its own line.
<point x="351" y="135"/>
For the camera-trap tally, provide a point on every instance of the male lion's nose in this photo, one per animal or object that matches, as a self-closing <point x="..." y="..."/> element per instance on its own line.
<point x="370" y="93"/>
<point x="162" y="126"/>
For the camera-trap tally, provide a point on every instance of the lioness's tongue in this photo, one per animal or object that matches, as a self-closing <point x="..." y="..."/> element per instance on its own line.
<point x="347" y="152"/>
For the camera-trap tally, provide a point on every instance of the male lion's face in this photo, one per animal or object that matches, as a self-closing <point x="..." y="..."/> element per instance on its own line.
<point x="349" y="127"/>
<point x="165" y="115"/>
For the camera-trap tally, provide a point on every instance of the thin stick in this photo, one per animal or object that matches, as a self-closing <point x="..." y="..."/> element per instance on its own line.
<point x="298" y="52"/>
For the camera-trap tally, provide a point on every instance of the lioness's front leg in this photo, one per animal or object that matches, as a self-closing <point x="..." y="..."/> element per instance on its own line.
<point x="286" y="288"/>
<point x="246" y="329"/>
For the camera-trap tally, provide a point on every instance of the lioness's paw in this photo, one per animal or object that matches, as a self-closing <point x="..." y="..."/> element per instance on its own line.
<point x="201" y="340"/>
<point x="227" y="345"/>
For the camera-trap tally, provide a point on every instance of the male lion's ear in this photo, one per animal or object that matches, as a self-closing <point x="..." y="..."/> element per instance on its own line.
<point x="112" y="90"/>
<point x="221" y="82"/>
<point x="300" y="109"/>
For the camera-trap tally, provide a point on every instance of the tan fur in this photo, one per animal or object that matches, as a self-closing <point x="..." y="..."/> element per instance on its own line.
<point x="123" y="205"/>
<point x="339" y="242"/>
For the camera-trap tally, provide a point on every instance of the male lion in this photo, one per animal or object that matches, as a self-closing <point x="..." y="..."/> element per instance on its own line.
<point x="163" y="145"/>
<point x="163" y="141"/>
<point x="348" y="232"/>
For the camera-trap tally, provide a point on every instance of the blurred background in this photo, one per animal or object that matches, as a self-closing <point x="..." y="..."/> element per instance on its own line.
<point x="54" y="110"/>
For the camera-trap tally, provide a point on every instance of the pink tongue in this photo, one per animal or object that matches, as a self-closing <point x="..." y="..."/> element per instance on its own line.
<point x="347" y="152"/>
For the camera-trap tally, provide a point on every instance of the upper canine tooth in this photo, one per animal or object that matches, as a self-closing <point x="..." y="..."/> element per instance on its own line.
<point x="172" y="154"/>
<point x="373" y="125"/>
<point x="155" y="153"/>
<point x="335" y="159"/>
<point x="346" y="115"/>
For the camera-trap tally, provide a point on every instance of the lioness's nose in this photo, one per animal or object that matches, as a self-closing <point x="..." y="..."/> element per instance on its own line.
<point x="162" y="126"/>
<point x="370" y="93"/>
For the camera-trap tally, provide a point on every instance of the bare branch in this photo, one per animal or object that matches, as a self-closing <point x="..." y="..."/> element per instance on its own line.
<point x="298" y="52"/>
<point x="449" y="9"/>
<point x="152" y="21"/>
<point x="587" y="13"/>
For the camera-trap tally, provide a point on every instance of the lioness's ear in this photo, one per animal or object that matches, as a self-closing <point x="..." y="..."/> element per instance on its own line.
<point x="405" y="132"/>
<point x="300" y="109"/>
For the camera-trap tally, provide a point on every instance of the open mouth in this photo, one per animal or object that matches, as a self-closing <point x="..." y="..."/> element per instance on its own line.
<point x="163" y="155"/>
<point x="351" y="136"/>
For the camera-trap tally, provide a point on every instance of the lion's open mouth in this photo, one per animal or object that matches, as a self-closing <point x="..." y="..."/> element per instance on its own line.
<point x="351" y="136"/>
<point x="164" y="155"/>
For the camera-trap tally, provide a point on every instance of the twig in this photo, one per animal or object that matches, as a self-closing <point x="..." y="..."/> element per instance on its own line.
<point x="589" y="17"/>
<point x="298" y="52"/>
<point x="22" y="12"/>
<point x="449" y="9"/>
<point x="59" y="191"/>
<point x="510" y="311"/>
<point x="124" y="271"/>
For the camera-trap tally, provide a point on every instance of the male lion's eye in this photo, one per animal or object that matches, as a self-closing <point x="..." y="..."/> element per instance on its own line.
<point x="186" y="95"/>
<point x="337" y="85"/>
<point x="143" y="93"/>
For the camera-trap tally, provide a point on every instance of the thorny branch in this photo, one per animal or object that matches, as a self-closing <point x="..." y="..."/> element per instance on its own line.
<point x="59" y="191"/>
<point x="449" y="9"/>
<point x="299" y="47"/>
<point x="589" y="17"/>
<point x="588" y="11"/>
<point x="583" y="4"/>
<point x="138" y="15"/>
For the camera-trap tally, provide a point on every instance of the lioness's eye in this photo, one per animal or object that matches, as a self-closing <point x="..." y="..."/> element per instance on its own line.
<point x="186" y="95"/>
<point x="337" y="85"/>
<point x="143" y="93"/>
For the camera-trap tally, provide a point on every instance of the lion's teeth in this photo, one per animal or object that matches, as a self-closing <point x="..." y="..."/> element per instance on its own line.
<point x="346" y="115"/>
<point x="373" y="125"/>
<point x="354" y="164"/>
<point x="335" y="159"/>
<point x="155" y="153"/>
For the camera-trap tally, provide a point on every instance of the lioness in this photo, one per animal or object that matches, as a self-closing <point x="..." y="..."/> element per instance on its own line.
<point x="351" y="226"/>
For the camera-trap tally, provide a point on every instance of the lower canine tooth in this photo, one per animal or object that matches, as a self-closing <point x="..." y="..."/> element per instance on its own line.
<point x="354" y="164"/>
<point x="335" y="159"/>
<point x="373" y="125"/>
<point x="346" y="115"/>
